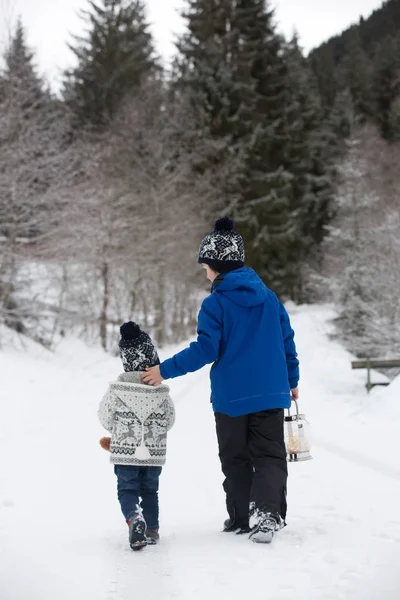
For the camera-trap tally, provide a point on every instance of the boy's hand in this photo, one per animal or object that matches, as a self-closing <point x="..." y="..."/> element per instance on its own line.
<point x="152" y="376"/>
<point x="294" y="393"/>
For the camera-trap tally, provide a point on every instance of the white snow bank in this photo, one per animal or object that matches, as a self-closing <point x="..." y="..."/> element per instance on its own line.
<point x="386" y="403"/>
<point x="61" y="532"/>
<point x="344" y="417"/>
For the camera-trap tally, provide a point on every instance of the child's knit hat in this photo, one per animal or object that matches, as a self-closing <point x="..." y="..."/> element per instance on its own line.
<point x="223" y="248"/>
<point x="136" y="348"/>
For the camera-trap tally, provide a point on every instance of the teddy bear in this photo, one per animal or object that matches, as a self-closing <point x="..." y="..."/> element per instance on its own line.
<point x="105" y="443"/>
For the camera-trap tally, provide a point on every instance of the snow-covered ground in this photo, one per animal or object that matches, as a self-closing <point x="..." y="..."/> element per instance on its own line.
<point x="61" y="533"/>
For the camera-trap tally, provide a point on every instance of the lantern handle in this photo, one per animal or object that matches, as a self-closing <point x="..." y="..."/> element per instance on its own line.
<point x="297" y="409"/>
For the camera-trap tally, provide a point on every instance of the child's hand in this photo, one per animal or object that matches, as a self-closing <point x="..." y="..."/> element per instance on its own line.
<point x="294" y="393"/>
<point x="152" y="376"/>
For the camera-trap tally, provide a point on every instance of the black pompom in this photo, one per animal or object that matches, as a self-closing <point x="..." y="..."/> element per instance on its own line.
<point x="130" y="330"/>
<point x="224" y="224"/>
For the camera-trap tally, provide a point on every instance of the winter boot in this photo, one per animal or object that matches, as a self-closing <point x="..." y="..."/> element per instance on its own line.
<point x="268" y="524"/>
<point x="137" y="530"/>
<point x="230" y="526"/>
<point x="152" y="537"/>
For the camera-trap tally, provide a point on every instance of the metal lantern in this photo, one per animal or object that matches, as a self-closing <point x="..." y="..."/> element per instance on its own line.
<point x="297" y="436"/>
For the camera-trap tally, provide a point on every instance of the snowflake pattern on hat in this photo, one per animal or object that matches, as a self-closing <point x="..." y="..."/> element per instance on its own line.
<point x="222" y="244"/>
<point x="136" y="348"/>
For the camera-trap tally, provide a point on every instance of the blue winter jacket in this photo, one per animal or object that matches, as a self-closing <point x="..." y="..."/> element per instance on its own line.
<point x="245" y="331"/>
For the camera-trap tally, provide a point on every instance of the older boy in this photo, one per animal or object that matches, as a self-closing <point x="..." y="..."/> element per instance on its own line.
<point x="245" y="332"/>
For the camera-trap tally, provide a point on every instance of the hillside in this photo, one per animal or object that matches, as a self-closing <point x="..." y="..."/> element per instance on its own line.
<point x="383" y="22"/>
<point x="358" y="72"/>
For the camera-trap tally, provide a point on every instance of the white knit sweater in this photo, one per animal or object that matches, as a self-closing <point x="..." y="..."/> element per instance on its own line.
<point x="138" y="417"/>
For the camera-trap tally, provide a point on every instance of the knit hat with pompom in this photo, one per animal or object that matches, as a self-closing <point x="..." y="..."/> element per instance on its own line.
<point x="223" y="248"/>
<point x="136" y="348"/>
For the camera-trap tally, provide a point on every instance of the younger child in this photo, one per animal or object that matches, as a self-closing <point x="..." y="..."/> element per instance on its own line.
<point x="138" y="417"/>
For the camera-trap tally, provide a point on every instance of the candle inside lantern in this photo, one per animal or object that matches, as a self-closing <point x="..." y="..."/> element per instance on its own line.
<point x="296" y="437"/>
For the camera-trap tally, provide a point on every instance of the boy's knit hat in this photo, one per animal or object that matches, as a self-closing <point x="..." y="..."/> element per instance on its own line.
<point x="136" y="348"/>
<point x="223" y="248"/>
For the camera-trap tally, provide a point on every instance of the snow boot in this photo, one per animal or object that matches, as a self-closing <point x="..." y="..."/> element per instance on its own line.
<point x="137" y="531"/>
<point x="266" y="528"/>
<point x="152" y="537"/>
<point x="230" y="526"/>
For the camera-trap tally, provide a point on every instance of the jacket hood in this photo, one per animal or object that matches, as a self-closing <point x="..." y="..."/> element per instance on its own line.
<point x="135" y="377"/>
<point x="129" y="389"/>
<point x="242" y="286"/>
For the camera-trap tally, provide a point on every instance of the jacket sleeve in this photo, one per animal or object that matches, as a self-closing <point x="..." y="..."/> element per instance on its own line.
<point x="170" y="413"/>
<point x="106" y="410"/>
<point x="290" y="347"/>
<point x="205" y="350"/>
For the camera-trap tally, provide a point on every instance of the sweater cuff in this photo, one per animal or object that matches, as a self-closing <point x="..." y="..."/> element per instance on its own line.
<point x="293" y="383"/>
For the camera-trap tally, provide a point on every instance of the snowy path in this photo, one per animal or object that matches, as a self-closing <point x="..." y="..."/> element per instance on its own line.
<point x="61" y="533"/>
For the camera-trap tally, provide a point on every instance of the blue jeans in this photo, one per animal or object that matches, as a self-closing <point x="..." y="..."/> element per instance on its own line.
<point x="139" y="485"/>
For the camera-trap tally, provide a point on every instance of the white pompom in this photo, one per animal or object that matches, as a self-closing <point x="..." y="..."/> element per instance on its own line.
<point x="142" y="453"/>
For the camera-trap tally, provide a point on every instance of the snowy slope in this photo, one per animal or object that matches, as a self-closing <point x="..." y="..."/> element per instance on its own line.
<point x="389" y="400"/>
<point x="61" y="533"/>
<point x="346" y="419"/>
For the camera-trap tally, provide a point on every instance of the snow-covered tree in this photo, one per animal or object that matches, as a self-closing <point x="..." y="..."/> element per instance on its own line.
<point x="134" y="219"/>
<point x="255" y="98"/>
<point x="363" y="248"/>
<point x="114" y="58"/>
<point x="31" y="143"/>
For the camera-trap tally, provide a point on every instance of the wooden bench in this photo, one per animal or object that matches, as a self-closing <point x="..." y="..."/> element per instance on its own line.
<point x="375" y="364"/>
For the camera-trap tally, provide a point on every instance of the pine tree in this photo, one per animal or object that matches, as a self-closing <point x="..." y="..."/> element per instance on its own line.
<point x="265" y="202"/>
<point x="30" y="150"/>
<point x="386" y="85"/>
<point x="203" y="80"/>
<point x="34" y="120"/>
<point x="232" y="72"/>
<point x="204" y="73"/>
<point x="254" y="98"/>
<point x="309" y="155"/>
<point x="288" y="185"/>
<point x="114" y="58"/>
<point x="358" y="74"/>
<point x="324" y="69"/>
<point x="19" y="66"/>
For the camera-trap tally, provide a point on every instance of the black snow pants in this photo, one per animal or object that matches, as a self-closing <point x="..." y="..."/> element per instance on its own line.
<point x="253" y="459"/>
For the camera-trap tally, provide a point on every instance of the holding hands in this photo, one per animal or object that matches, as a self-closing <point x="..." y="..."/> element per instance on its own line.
<point x="152" y="376"/>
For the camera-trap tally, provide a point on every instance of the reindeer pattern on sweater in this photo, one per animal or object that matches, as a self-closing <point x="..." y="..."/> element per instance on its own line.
<point x="138" y="417"/>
